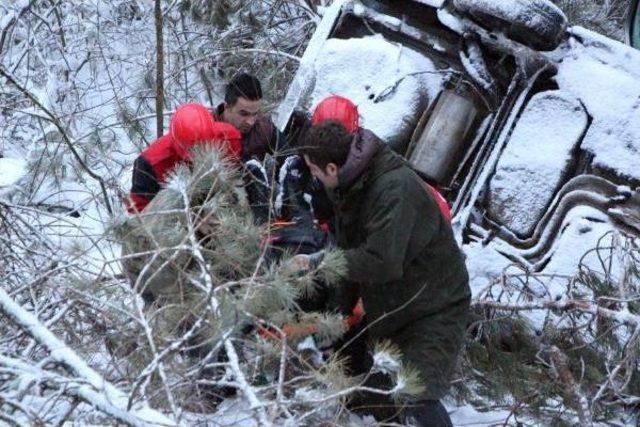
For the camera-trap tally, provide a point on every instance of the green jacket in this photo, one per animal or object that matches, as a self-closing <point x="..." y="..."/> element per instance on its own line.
<point x="402" y="255"/>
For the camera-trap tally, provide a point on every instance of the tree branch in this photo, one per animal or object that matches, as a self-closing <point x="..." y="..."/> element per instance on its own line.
<point x="94" y="390"/>
<point x="12" y="79"/>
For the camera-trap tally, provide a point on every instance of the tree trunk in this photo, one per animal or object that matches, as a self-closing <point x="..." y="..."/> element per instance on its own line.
<point x="159" y="70"/>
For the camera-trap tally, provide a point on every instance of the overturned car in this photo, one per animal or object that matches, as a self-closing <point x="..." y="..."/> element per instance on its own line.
<point x="530" y="128"/>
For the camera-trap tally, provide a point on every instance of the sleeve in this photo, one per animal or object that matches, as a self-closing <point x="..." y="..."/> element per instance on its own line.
<point x="390" y="221"/>
<point x="144" y="185"/>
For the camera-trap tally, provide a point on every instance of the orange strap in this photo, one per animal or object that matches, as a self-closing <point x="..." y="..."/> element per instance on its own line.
<point x="267" y="237"/>
<point x="356" y="315"/>
<point x="296" y="331"/>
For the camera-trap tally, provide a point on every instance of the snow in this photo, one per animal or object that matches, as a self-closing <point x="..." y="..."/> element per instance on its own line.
<point x="450" y="20"/>
<point x="582" y="231"/>
<point x="385" y="362"/>
<point x="8" y="16"/>
<point x="432" y="3"/>
<point x="484" y="264"/>
<point x="305" y="75"/>
<point x="519" y="11"/>
<point x="536" y="160"/>
<point x="611" y="97"/>
<point x="398" y="25"/>
<point x="379" y="65"/>
<point x="468" y="416"/>
<point x="11" y="170"/>
<point x="462" y="217"/>
<point x="234" y="412"/>
<point x="583" y="228"/>
<point x="475" y="65"/>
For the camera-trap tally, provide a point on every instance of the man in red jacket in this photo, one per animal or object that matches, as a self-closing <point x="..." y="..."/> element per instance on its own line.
<point x="191" y="124"/>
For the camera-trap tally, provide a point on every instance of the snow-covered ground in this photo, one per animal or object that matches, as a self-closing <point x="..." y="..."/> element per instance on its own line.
<point x="11" y="170"/>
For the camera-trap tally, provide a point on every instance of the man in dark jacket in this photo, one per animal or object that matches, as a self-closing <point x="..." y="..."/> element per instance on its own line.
<point x="401" y="257"/>
<point x="241" y="108"/>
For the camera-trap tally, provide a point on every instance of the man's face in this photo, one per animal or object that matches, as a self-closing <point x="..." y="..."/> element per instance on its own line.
<point x="328" y="177"/>
<point x="242" y="114"/>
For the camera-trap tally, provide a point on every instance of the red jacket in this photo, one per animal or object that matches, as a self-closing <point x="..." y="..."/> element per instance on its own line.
<point x="191" y="124"/>
<point x="443" y="205"/>
<point x="150" y="170"/>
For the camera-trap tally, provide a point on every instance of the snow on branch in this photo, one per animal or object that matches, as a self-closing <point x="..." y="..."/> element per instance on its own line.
<point x="91" y="386"/>
<point x="624" y="317"/>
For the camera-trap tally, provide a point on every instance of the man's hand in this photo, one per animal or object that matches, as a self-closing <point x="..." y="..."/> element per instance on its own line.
<point x="298" y="263"/>
<point x="303" y="263"/>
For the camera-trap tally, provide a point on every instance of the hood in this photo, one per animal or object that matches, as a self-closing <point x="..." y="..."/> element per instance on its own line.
<point x="366" y="149"/>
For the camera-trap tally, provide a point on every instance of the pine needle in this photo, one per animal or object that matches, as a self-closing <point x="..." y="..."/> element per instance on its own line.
<point x="333" y="267"/>
<point x="387" y="358"/>
<point x="409" y="385"/>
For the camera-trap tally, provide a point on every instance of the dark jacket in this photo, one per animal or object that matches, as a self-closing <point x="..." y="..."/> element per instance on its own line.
<point x="263" y="138"/>
<point x="401" y="253"/>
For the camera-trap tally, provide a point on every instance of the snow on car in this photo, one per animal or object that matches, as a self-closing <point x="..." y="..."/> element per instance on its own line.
<point x="530" y="129"/>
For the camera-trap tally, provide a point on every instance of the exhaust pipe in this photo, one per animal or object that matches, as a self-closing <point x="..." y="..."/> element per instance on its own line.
<point x="441" y="144"/>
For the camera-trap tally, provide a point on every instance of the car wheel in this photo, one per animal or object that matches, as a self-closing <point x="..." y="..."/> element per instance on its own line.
<point x="538" y="24"/>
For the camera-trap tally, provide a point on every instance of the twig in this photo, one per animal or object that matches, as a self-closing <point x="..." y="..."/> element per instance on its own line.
<point x="573" y="395"/>
<point x="624" y="317"/>
<point x="245" y="388"/>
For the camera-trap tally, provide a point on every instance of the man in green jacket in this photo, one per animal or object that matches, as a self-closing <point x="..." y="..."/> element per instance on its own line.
<point x="402" y="260"/>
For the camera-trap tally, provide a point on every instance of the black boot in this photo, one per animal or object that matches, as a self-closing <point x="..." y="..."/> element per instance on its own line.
<point x="427" y="413"/>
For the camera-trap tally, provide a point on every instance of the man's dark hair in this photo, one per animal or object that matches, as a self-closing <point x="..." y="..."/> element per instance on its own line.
<point x="327" y="142"/>
<point x="243" y="85"/>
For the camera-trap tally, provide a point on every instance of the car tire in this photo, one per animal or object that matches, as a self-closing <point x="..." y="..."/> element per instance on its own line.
<point x="538" y="24"/>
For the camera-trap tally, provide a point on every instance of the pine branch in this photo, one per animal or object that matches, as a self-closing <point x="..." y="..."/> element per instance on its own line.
<point x="629" y="360"/>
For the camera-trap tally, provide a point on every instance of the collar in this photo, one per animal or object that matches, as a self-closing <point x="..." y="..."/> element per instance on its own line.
<point x="364" y="146"/>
